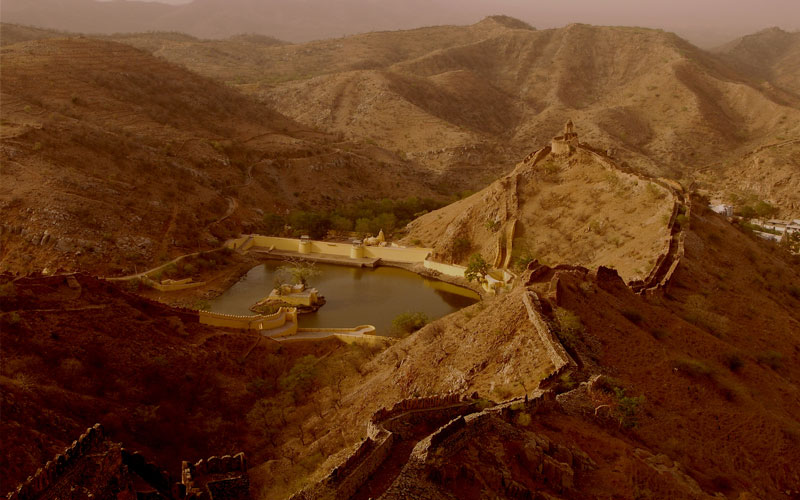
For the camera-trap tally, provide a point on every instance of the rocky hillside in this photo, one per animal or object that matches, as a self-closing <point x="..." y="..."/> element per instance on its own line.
<point x="578" y="209"/>
<point x="285" y="19"/>
<point x="693" y="381"/>
<point x="114" y="159"/>
<point x="79" y="350"/>
<point x="490" y="92"/>
<point x="772" y="55"/>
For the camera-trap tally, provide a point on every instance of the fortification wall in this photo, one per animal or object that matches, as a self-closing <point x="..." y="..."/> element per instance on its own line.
<point x="344" y="480"/>
<point x="54" y="470"/>
<point x="222" y="477"/>
<point x="186" y="315"/>
<point x="560" y="147"/>
<point x="392" y="254"/>
<point x="348" y="478"/>
<point x="446" y="269"/>
<point x="403" y="255"/>
<point x="449" y="439"/>
<point x="285" y="244"/>
<point x="172" y="287"/>
<point x="558" y="356"/>
<point x="376" y="422"/>
<point x="346" y="335"/>
<point x="256" y="322"/>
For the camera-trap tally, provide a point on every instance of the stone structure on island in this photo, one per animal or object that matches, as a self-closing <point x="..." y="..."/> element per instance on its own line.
<point x="94" y="466"/>
<point x="300" y="297"/>
<point x="566" y="143"/>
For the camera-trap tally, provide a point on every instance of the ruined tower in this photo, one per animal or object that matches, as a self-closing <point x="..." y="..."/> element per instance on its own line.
<point x="563" y="144"/>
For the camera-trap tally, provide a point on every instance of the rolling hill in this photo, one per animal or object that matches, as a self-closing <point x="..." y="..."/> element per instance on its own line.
<point x="115" y="159"/>
<point x="491" y="92"/>
<point x="772" y="55"/>
<point x="579" y="210"/>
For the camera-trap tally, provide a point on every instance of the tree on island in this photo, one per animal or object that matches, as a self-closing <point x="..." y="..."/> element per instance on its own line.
<point x="296" y="273"/>
<point x="477" y="268"/>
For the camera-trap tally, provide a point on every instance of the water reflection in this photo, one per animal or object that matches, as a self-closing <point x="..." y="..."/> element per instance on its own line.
<point x="355" y="296"/>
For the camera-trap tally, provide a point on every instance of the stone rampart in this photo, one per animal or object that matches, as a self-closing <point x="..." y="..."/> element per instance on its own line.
<point x="451" y="436"/>
<point x="404" y="406"/>
<point x="383" y="429"/>
<point x="558" y="356"/>
<point x="57" y="468"/>
<point x="388" y="253"/>
<point x="219" y="477"/>
<point x="446" y="269"/>
<point x="359" y="334"/>
<point x="172" y="287"/>
<point x="257" y="322"/>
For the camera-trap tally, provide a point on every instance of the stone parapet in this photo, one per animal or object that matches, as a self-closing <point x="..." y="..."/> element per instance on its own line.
<point x="55" y="469"/>
<point x="224" y="477"/>
<point x="558" y="356"/>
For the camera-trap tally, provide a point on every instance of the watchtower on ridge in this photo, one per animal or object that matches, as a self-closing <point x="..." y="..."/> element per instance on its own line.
<point x="564" y="144"/>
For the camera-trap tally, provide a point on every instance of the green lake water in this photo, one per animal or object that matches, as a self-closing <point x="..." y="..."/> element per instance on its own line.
<point x="355" y="296"/>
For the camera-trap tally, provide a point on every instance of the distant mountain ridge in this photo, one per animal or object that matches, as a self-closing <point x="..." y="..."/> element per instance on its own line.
<point x="771" y="54"/>
<point x="284" y="19"/>
<point x="468" y="102"/>
<point x="305" y="20"/>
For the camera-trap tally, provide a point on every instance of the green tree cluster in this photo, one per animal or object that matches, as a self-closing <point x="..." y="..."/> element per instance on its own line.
<point x="407" y="323"/>
<point x="477" y="268"/>
<point x="368" y="216"/>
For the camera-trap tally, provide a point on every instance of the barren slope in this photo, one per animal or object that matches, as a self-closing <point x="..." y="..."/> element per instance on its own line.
<point x="113" y="158"/>
<point x="571" y="210"/>
<point x="715" y="359"/>
<point x="454" y="98"/>
<point x="772" y="55"/>
<point x="153" y="376"/>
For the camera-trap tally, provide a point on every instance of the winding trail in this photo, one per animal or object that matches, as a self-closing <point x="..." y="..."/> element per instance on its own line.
<point x="322" y="333"/>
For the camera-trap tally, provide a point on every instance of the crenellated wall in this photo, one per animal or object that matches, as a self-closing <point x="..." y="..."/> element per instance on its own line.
<point x="379" y="418"/>
<point x="384" y="428"/>
<point x="392" y="254"/>
<point x="223" y="477"/>
<point x="556" y="466"/>
<point x="257" y="322"/>
<point x="57" y="468"/>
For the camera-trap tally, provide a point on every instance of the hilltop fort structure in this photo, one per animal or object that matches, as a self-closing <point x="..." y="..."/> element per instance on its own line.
<point x="565" y="144"/>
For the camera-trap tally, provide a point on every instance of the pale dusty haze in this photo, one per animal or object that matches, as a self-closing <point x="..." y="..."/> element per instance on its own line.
<point x="704" y="22"/>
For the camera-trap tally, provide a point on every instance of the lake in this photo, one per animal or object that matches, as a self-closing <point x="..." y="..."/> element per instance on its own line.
<point x="355" y="296"/>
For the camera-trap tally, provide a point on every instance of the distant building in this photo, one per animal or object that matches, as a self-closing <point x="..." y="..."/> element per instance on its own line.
<point x="724" y="210"/>
<point x="768" y="236"/>
<point x="782" y="226"/>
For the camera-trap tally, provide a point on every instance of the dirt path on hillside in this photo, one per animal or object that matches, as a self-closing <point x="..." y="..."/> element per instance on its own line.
<point x="169" y="227"/>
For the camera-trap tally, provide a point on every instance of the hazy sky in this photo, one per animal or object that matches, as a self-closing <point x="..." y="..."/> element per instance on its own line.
<point x="714" y="18"/>
<point x="704" y="22"/>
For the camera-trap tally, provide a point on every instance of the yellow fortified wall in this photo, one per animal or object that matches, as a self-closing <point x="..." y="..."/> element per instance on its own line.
<point x="255" y="322"/>
<point x="391" y="254"/>
<point x="346" y="335"/>
<point x="446" y="269"/>
<point x="173" y="285"/>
